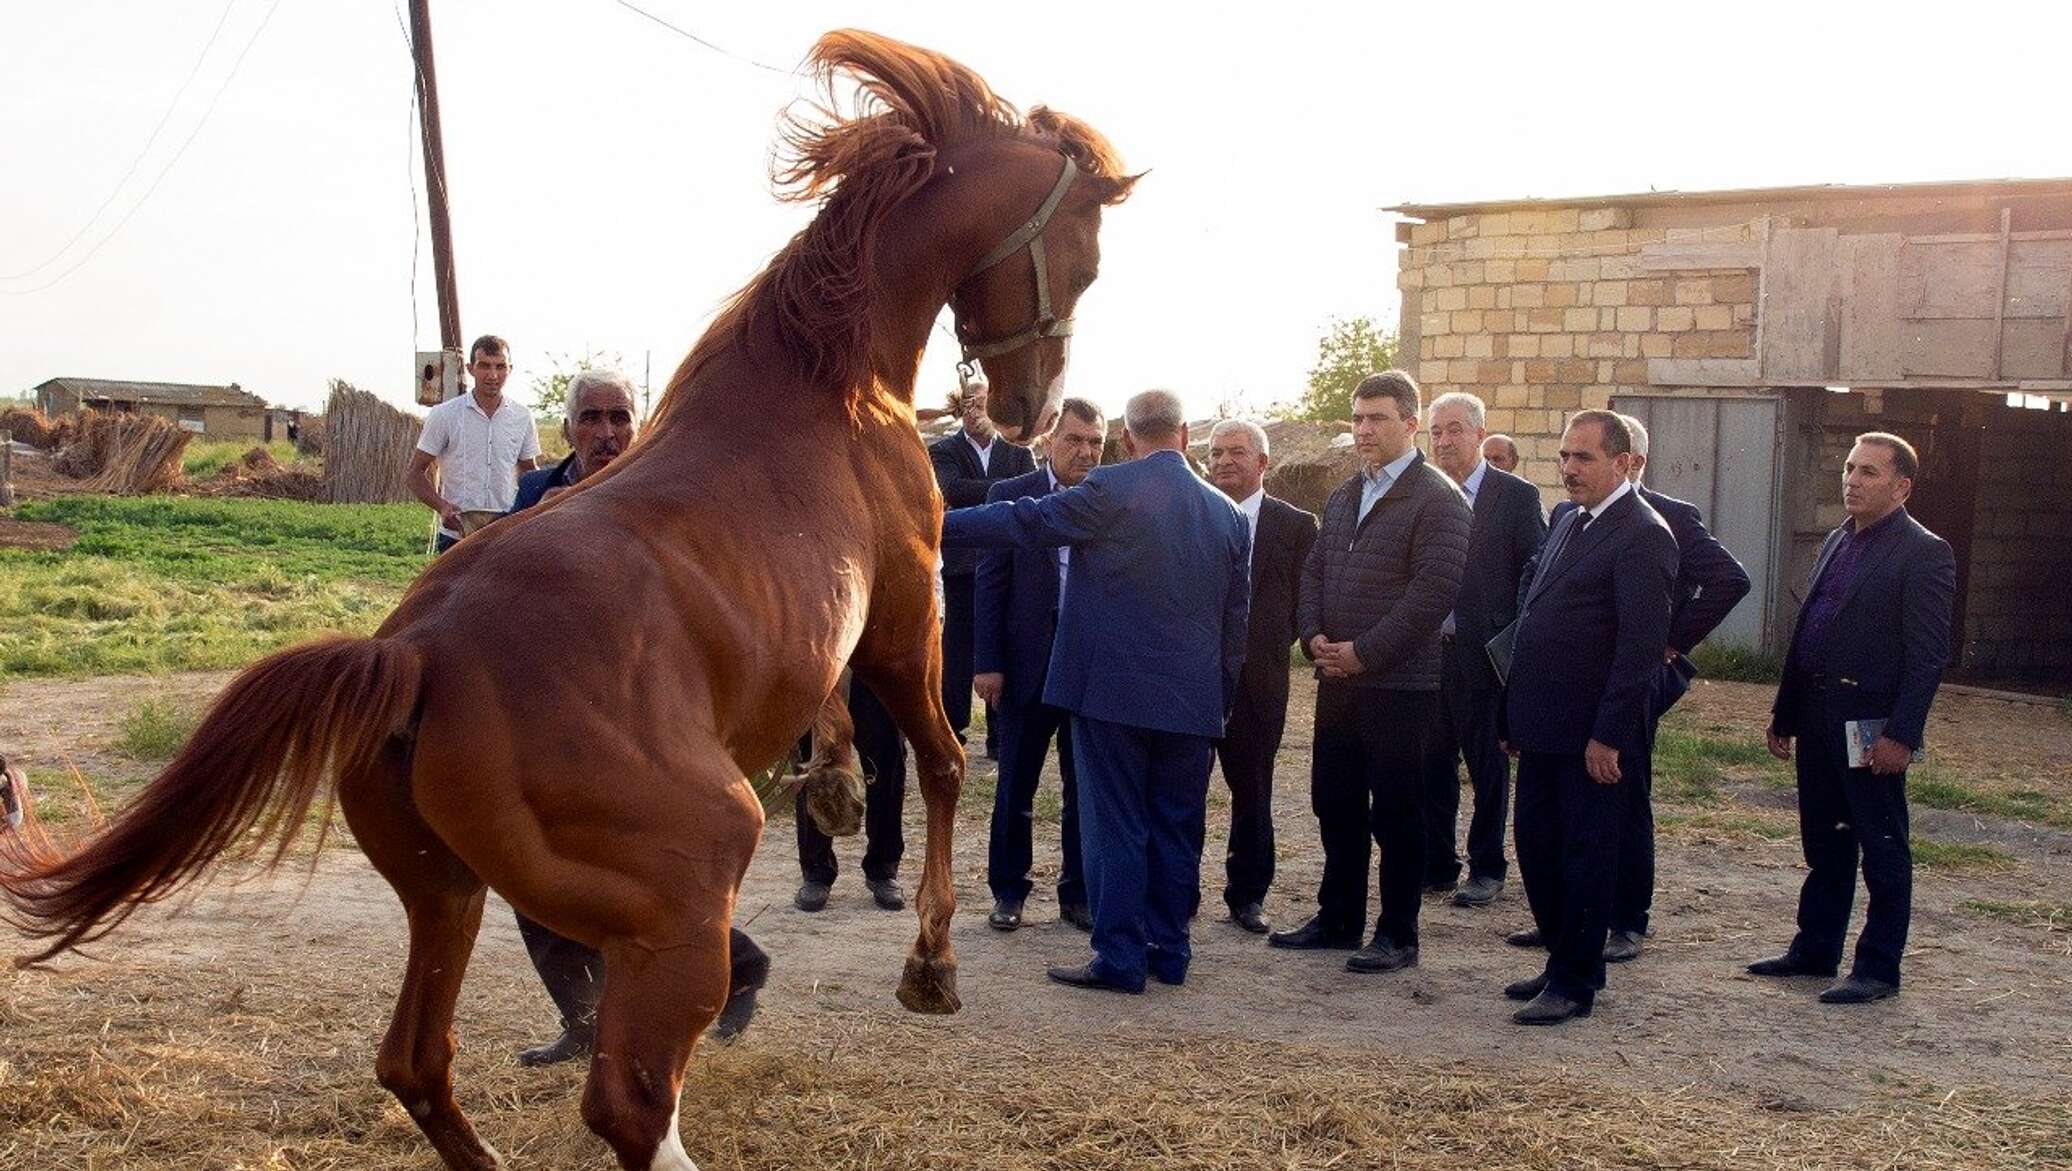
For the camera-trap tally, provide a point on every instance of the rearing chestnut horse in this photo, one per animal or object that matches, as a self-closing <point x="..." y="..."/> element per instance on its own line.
<point x="696" y="602"/>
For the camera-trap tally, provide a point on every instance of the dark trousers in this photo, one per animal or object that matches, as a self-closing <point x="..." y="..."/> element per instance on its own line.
<point x="1847" y="814"/>
<point x="1143" y="796"/>
<point x="1568" y="830"/>
<point x="1026" y="731"/>
<point x="958" y="617"/>
<point x="1464" y="729"/>
<point x="1367" y="785"/>
<point x="1250" y="740"/>
<point x="441" y="542"/>
<point x="883" y="756"/>
<point x="574" y="973"/>
<point x="1635" y="892"/>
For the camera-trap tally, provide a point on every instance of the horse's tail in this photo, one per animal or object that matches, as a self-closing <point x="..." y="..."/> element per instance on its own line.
<point x="249" y="774"/>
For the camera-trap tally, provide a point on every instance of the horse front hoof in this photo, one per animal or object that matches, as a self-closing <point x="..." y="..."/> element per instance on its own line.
<point x="930" y="986"/>
<point x="834" y="800"/>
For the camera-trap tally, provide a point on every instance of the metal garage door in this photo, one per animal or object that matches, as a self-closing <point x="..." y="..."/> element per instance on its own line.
<point x="1721" y="455"/>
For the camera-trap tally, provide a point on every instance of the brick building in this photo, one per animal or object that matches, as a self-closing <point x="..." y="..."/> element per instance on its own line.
<point x="223" y="412"/>
<point x="1757" y="332"/>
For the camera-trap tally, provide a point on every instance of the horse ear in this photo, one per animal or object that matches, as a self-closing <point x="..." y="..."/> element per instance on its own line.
<point x="1114" y="189"/>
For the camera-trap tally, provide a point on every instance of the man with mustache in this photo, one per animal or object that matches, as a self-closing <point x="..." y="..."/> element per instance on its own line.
<point x="599" y="426"/>
<point x="1592" y="624"/>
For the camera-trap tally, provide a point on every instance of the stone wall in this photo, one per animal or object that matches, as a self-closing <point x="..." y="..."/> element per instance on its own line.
<point x="2017" y="621"/>
<point x="1541" y="313"/>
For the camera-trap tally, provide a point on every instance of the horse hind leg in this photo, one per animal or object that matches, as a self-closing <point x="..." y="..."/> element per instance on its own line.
<point x="443" y="900"/>
<point x="833" y="782"/>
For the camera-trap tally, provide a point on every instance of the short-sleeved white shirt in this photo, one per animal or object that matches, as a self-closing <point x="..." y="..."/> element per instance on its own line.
<point x="478" y="454"/>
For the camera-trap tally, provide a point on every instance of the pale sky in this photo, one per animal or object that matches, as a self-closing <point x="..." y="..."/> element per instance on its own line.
<point x="610" y="187"/>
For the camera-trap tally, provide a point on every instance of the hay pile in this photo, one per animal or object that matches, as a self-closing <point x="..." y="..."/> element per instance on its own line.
<point x="37" y="429"/>
<point x="1306" y="463"/>
<point x="367" y="445"/>
<point x="257" y="474"/>
<point x="124" y="454"/>
<point x="198" y="1066"/>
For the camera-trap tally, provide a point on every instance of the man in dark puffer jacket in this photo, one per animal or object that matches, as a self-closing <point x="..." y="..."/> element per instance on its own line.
<point x="1383" y="574"/>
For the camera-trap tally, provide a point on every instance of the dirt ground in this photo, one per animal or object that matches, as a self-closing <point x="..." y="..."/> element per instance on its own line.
<point x="240" y="1031"/>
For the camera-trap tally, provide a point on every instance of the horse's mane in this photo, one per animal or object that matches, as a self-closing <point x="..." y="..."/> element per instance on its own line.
<point x="910" y="104"/>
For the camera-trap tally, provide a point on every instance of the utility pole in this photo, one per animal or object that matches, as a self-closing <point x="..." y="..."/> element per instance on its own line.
<point x="435" y="174"/>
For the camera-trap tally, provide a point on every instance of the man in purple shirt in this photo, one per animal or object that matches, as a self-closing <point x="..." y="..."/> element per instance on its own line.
<point x="1867" y="657"/>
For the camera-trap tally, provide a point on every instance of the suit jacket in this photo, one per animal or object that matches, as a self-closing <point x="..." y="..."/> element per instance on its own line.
<point x="1508" y="530"/>
<point x="1015" y="603"/>
<point x="964" y="483"/>
<point x="1279" y="550"/>
<point x="1887" y="645"/>
<point x="534" y="484"/>
<point x="1152" y="629"/>
<point x="1386" y="581"/>
<point x="1709" y="580"/>
<point x="1595" y="618"/>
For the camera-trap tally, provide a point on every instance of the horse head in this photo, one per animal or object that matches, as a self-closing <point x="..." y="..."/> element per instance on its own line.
<point x="1015" y="307"/>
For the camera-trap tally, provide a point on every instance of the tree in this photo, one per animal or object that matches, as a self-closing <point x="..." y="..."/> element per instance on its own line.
<point x="550" y="390"/>
<point x="1351" y="349"/>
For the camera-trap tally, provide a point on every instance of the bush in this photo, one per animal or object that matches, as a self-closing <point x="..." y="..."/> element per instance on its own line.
<point x="154" y="731"/>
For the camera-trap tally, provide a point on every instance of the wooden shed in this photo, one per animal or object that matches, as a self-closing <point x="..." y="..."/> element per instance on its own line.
<point x="1757" y="332"/>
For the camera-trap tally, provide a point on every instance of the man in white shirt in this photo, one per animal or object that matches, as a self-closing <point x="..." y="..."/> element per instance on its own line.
<point x="1281" y="538"/>
<point x="481" y="443"/>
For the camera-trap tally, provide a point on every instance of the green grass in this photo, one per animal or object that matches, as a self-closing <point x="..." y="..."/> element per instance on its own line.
<point x="1737" y="663"/>
<point x="153" y="730"/>
<point x="175" y="583"/>
<point x="2023" y="913"/>
<point x="1938" y="791"/>
<point x="1713" y="823"/>
<point x="1930" y="854"/>
<point x="206" y="457"/>
<point x="1690" y="765"/>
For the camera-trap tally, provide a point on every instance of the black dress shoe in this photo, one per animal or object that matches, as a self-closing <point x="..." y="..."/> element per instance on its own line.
<point x="575" y="1041"/>
<point x="735" y="1015"/>
<point x="1383" y="955"/>
<point x="1789" y="965"/>
<point x="1550" y="1008"/>
<point x="1077" y="914"/>
<point x="1526" y="989"/>
<point x="886" y="893"/>
<point x="1313" y="935"/>
<point x="1251" y="917"/>
<point x="1622" y="946"/>
<point x="1858" y="990"/>
<point x="1530" y="937"/>
<point x="812" y="896"/>
<point x="1088" y="976"/>
<point x="1006" y="916"/>
<point x="1479" y="892"/>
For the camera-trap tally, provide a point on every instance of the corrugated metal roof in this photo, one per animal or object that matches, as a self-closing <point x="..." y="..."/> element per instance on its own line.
<point x="184" y="393"/>
<point x="1826" y="191"/>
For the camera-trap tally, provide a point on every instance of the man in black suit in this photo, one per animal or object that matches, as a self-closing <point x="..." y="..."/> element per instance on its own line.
<point x="1508" y="529"/>
<point x="881" y="754"/>
<point x="1384" y="571"/>
<point x="1017" y="621"/>
<point x="968" y="462"/>
<point x="1709" y="582"/>
<point x="1867" y="655"/>
<point x="1591" y="627"/>
<point x="1281" y="538"/>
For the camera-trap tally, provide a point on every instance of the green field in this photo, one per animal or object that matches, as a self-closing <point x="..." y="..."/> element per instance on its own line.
<point x="206" y="457"/>
<point x="174" y="583"/>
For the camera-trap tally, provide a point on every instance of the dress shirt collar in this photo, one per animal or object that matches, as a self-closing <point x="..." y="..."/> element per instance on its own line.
<point x="1625" y="487"/>
<point x="1473" y="483"/>
<point x="1386" y="476"/>
<point x="1250" y="506"/>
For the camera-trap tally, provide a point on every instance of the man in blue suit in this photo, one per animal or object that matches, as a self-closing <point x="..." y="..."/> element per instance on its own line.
<point x="1151" y="635"/>
<point x="1709" y="582"/>
<point x="1017" y="620"/>
<point x="1869" y="650"/>
<point x="1591" y="627"/>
